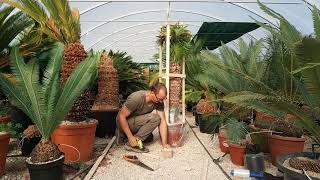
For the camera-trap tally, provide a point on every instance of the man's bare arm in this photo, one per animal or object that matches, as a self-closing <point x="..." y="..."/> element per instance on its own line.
<point x="163" y="129"/>
<point x="124" y="113"/>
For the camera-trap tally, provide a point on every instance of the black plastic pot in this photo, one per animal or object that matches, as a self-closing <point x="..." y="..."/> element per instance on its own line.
<point x="205" y="124"/>
<point x="106" y="122"/>
<point x="254" y="162"/>
<point x="293" y="175"/>
<point x="48" y="171"/>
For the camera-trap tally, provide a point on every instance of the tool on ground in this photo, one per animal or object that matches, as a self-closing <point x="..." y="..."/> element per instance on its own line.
<point x="245" y="173"/>
<point x="136" y="161"/>
<point x="140" y="144"/>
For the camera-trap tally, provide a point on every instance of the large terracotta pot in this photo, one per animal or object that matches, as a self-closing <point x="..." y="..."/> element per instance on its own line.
<point x="5" y="119"/>
<point x="224" y="147"/>
<point x="280" y="145"/>
<point x="4" y="143"/>
<point x="237" y="154"/>
<point x="75" y="141"/>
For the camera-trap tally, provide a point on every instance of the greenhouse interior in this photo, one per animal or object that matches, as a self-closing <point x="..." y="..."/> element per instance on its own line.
<point x="160" y="89"/>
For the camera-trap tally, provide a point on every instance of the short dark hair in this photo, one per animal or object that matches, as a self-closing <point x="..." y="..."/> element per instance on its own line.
<point x="157" y="87"/>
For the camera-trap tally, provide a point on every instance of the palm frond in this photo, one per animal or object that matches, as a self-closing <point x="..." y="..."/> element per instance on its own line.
<point x="56" y="19"/>
<point x="307" y="52"/>
<point x="316" y="21"/>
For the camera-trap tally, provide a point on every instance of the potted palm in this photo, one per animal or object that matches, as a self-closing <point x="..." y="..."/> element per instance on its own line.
<point x="236" y="132"/>
<point x="4" y="143"/>
<point x="106" y="105"/>
<point x="61" y="23"/>
<point x="46" y="103"/>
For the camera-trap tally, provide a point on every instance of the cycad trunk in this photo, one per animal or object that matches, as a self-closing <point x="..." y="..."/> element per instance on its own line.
<point x="45" y="151"/>
<point x="175" y="86"/>
<point x="74" y="54"/>
<point x="108" y="86"/>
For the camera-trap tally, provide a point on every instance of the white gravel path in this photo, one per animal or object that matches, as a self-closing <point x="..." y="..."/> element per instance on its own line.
<point x="190" y="161"/>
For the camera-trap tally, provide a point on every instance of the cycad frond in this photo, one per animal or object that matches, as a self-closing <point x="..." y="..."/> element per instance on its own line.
<point x="56" y="19"/>
<point x="316" y="21"/>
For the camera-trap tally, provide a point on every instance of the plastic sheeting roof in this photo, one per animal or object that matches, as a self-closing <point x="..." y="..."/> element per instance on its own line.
<point x="132" y="25"/>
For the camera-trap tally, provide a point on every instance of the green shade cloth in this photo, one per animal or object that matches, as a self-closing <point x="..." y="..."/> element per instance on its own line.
<point x="213" y="33"/>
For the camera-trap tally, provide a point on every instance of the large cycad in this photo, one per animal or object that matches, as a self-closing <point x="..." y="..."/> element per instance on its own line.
<point x="45" y="102"/>
<point x="180" y="46"/>
<point x="60" y="23"/>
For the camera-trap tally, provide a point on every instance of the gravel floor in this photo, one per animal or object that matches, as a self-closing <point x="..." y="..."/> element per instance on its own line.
<point x="190" y="161"/>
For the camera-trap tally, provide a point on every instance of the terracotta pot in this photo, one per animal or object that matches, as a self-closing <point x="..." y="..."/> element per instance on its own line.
<point x="4" y="143"/>
<point x="237" y="154"/>
<point x="5" y="119"/>
<point x="73" y="138"/>
<point x="224" y="147"/>
<point x="280" y="145"/>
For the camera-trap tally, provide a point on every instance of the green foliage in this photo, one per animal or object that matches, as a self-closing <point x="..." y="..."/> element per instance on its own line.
<point x="11" y="128"/>
<point x="180" y="38"/>
<point x="11" y="25"/>
<point x="232" y="72"/>
<point x="236" y="131"/>
<point x="129" y="73"/>
<point x="47" y="104"/>
<point x="55" y="18"/>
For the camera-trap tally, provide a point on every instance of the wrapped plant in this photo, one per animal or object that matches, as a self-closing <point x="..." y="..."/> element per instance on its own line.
<point x="205" y="106"/>
<point x="108" y="86"/>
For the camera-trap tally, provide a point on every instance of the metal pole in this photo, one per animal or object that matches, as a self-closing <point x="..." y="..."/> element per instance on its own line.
<point x="168" y="71"/>
<point x="160" y="63"/>
<point x="184" y="90"/>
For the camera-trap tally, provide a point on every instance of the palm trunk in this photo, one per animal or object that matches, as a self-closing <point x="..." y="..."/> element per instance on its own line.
<point x="175" y="86"/>
<point x="74" y="54"/>
<point x="108" y="86"/>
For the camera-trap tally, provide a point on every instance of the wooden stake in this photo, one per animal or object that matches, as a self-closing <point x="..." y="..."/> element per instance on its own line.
<point x="96" y="164"/>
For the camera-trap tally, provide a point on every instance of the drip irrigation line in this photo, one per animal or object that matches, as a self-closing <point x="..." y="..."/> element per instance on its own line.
<point x="215" y="161"/>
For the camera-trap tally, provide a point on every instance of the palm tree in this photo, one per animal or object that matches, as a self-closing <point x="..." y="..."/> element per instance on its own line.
<point x="306" y="61"/>
<point x="180" y="44"/>
<point x="45" y="102"/>
<point x="129" y="73"/>
<point x="11" y="25"/>
<point x="62" y="24"/>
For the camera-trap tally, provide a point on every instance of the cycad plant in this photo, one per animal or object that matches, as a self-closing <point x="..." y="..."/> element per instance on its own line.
<point x="306" y="63"/>
<point x="180" y="38"/>
<point x="129" y="73"/>
<point x="59" y="22"/>
<point x="11" y="25"/>
<point x="46" y="102"/>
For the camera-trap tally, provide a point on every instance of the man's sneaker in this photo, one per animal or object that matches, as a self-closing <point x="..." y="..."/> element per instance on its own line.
<point x="136" y="149"/>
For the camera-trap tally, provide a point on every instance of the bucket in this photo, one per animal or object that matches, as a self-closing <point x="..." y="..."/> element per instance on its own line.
<point x="175" y="134"/>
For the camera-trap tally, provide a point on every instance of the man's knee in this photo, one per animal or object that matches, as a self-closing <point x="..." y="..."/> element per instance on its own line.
<point x="155" y="118"/>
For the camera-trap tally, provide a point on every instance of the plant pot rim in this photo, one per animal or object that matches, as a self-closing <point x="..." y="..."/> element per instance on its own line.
<point x="236" y="145"/>
<point x="282" y="158"/>
<point x="4" y="135"/>
<point x="287" y="138"/>
<point x="28" y="161"/>
<point x="78" y="125"/>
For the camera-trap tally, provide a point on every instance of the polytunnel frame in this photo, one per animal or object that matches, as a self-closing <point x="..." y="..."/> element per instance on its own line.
<point x="167" y="75"/>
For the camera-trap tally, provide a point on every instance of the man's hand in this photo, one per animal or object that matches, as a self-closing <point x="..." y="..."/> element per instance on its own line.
<point x="133" y="141"/>
<point x="30" y="131"/>
<point x="166" y="146"/>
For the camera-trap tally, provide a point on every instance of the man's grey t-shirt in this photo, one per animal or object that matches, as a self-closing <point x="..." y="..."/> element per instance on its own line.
<point x="137" y="105"/>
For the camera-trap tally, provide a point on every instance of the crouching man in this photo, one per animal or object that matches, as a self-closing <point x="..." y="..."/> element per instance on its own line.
<point x="136" y="121"/>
